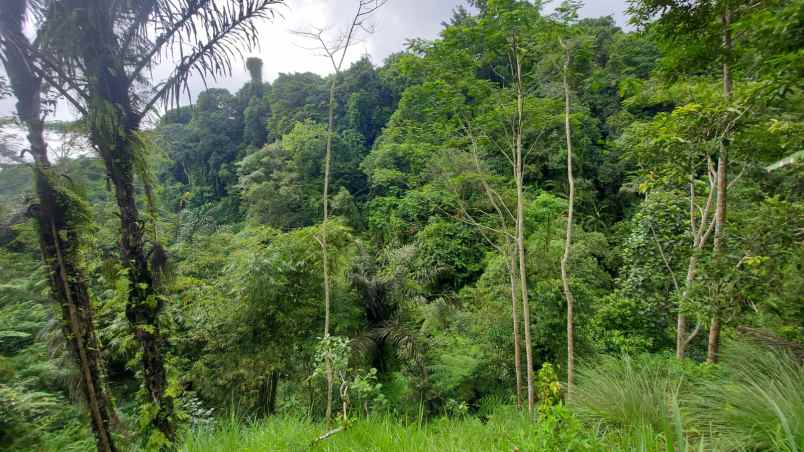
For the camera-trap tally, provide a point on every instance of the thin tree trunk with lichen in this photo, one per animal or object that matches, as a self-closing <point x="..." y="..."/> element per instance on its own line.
<point x="519" y="171"/>
<point x="58" y="237"/>
<point x="565" y="277"/>
<point x="700" y="234"/>
<point x="364" y="8"/>
<point x="515" y="318"/>
<point x="682" y="338"/>
<point x="324" y="248"/>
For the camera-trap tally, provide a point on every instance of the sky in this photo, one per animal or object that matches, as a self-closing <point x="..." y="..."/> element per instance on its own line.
<point x="396" y="22"/>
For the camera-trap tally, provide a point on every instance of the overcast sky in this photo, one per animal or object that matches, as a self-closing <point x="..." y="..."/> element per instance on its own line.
<point x="396" y="22"/>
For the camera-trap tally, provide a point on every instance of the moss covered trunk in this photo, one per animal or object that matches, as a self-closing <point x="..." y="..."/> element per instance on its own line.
<point x="58" y="215"/>
<point x="144" y="304"/>
<point x="114" y="128"/>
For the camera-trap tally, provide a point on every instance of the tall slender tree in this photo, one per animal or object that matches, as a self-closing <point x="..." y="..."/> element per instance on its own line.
<point x="565" y="276"/>
<point x="713" y="346"/>
<point x="567" y="14"/>
<point x="519" y="177"/>
<point x="101" y="53"/>
<point x="505" y="247"/>
<point x="58" y="216"/>
<point x="709" y="25"/>
<point x="336" y="52"/>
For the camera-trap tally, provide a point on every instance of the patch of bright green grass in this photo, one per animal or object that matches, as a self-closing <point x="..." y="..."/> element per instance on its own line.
<point x="505" y="430"/>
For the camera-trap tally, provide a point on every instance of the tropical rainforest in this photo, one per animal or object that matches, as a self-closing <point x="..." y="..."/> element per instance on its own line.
<point x="534" y="232"/>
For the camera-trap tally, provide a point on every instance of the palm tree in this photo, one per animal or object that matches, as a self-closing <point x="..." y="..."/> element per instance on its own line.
<point x="382" y="284"/>
<point x="59" y="215"/>
<point x="101" y="53"/>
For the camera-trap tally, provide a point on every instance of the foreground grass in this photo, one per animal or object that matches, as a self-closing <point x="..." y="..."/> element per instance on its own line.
<point x="753" y="401"/>
<point x="505" y="431"/>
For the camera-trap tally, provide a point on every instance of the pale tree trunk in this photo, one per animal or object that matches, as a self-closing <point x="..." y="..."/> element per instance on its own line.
<point x="331" y="51"/>
<point x="681" y="318"/>
<point x="509" y="252"/>
<point x="514" y="308"/>
<point x="722" y="190"/>
<point x="682" y="339"/>
<point x="700" y="234"/>
<point x="59" y="241"/>
<point x="565" y="277"/>
<point x="519" y="170"/>
<point x="324" y="247"/>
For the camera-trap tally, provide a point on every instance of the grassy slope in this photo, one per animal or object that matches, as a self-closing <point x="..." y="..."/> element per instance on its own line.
<point x="504" y="433"/>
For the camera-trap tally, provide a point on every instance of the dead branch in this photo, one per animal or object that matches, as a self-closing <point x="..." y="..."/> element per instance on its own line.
<point x="328" y="434"/>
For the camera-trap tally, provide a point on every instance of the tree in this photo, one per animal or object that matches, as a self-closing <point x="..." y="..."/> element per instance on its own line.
<point x="568" y="11"/>
<point x="336" y="53"/>
<point x="101" y="53"/>
<point x="516" y="17"/>
<point x="519" y="177"/>
<point x="61" y="216"/>
<point x="677" y="154"/>
<point x="507" y="249"/>
<point x="710" y="22"/>
<point x="256" y="109"/>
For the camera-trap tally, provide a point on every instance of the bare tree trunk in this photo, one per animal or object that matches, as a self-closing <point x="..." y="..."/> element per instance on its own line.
<point x="682" y="338"/>
<point x="514" y="308"/>
<point x="523" y="285"/>
<point x="681" y="332"/>
<point x="565" y="277"/>
<point x="520" y="225"/>
<point x="714" y="336"/>
<point x="344" y="391"/>
<point x="681" y="324"/>
<point x="324" y="248"/>
<point x="722" y="188"/>
<point x="331" y="51"/>
<point x="681" y="319"/>
<point x="59" y="241"/>
<point x="364" y="9"/>
<point x="700" y="234"/>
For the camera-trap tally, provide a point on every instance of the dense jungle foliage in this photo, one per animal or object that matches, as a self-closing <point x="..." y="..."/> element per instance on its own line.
<point x="686" y="201"/>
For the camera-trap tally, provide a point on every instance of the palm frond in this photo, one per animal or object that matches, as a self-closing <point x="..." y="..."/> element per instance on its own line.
<point x="215" y="33"/>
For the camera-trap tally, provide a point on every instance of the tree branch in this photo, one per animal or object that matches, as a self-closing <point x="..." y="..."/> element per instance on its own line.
<point x="664" y="258"/>
<point x="692" y="335"/>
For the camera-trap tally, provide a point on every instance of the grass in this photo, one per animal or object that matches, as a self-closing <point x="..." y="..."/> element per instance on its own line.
<point x="505" y="430"/>
<point x="758" y="405"/>
<point x="627" y="393"/>
<point x="754" y="401"/>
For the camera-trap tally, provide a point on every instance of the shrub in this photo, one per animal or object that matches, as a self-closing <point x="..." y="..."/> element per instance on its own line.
<point x="548" y="388"/>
